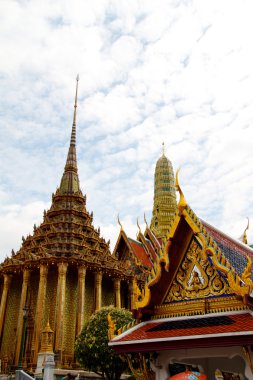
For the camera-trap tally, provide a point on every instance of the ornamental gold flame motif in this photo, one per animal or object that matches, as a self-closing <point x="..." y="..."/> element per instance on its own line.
<point x="196" y="278"/>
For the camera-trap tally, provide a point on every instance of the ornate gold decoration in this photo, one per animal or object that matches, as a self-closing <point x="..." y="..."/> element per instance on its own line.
<point x="142" y="372"/>
<point x="139" y="228"/>
<point x="47" y="339"/>
<point x="111" y="327"/>
<point x="165" y="204"/>
<point x="182" y="202"/>
<point x="26" y="277"/>
<point x="39" y="308"/>
<point x="81" y="298"/>
<point x="244" y="235"/>
<point x="121" y="228"/>
<point x="196" y="278"/>
<point x="117" y="295"/>
<point x="61" y="296"/>
<point x="247" y="355"/>
<point x="241" y="286"/>
<point x="7" y="282"/>
<point x="145" y="220"/>
<point x="141" y="297"/>
<point x="199" y="306"/>
<point x="98" y="290"/>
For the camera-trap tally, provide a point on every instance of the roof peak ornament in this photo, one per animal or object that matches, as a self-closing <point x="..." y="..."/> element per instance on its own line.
<point x="121" y="228"/>
<point x="138" y="225"/>
<point x="182" y="201"/>
<point x="244" y="236"/>
<point x="145" y="220"/>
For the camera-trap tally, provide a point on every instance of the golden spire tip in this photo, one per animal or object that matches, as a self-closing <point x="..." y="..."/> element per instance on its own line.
<point x="163" y="148"/>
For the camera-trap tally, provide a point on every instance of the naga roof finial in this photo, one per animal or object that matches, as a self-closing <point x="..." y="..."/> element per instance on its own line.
<point x="138" y="225"/>
<point x="244" y="236"/>
<point x="182" y="202"/>
<point x="121" y="228"/>
<point x="145" y="220"/>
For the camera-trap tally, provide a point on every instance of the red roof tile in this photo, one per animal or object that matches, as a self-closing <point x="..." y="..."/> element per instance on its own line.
<point x="240" y="323"/>
<point x="152" y="250"/>
<point x="140" y="252"/>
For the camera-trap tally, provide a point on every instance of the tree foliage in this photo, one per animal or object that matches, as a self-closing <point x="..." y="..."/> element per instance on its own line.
<point x="91" y="347"/>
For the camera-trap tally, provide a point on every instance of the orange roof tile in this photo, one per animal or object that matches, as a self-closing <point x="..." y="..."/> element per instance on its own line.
<point x="140" y="252"/>
<point x="180" y="328"/>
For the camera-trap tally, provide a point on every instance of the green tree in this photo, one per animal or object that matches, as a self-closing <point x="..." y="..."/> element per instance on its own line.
<point x="91" y="347"/>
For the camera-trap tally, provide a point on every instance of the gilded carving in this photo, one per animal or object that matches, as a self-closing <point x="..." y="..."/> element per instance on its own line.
<point x="196" y="278"/>
<point x="141" y="296"/>
<point x="199" y="306"/>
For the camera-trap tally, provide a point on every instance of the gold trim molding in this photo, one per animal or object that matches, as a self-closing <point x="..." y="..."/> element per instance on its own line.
<point x="199" y="307"/>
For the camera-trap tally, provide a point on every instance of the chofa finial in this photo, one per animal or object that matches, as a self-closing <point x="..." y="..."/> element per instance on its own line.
<point x="182" y="202"/>
<point x="121" y="228"/>
<point x="138" y="225"/>
<point x="244" y="236"/>
<point x="145" y="220"/>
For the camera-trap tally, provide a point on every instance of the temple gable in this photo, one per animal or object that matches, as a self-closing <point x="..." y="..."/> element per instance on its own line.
<point x="195" y="278"/>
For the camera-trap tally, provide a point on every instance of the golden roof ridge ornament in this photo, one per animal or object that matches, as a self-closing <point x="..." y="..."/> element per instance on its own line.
<point x="145" y="220"/>
<point x="244" y="236"/>
<point x="182" y="201"/>
<point x="121" y="228"/>
<point x="138" y="226"/>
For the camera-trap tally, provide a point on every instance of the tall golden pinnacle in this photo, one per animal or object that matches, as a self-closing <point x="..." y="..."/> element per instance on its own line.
<point x="70" y="181"/>
<point x="165" y="204"/>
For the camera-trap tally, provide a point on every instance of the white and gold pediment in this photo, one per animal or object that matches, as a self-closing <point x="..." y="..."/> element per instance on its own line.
<point x="196" y="278"/>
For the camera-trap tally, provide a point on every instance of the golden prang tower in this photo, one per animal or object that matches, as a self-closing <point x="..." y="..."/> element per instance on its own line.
<point x="165" y="205"/>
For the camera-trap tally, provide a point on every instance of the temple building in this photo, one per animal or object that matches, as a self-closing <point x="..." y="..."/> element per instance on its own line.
<point x="194" y="316"/>
<point x="62" y="273"/>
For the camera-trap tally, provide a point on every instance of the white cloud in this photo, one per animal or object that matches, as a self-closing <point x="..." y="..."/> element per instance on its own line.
<point x="174" y="71"/>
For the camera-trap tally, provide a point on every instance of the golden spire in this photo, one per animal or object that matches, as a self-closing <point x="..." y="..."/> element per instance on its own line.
<point x="163" y="149"/>
<point x="165" y="204"/>
<point x="70" y="181"/>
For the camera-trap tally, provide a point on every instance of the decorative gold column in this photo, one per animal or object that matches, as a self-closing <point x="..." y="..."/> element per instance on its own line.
<point x="81" y="295"/>
<point x="61" y="295"/>
<point x="26" y="277"/>
<point x="39" y="310"/>
<point x="116" y="285"/>
<point x="7" y="281"/>
<point x="131" y="294"/>
<point x="98" y="290"/>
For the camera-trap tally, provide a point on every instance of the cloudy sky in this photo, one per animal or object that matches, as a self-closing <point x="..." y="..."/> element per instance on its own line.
<point x="150" y="71"/>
